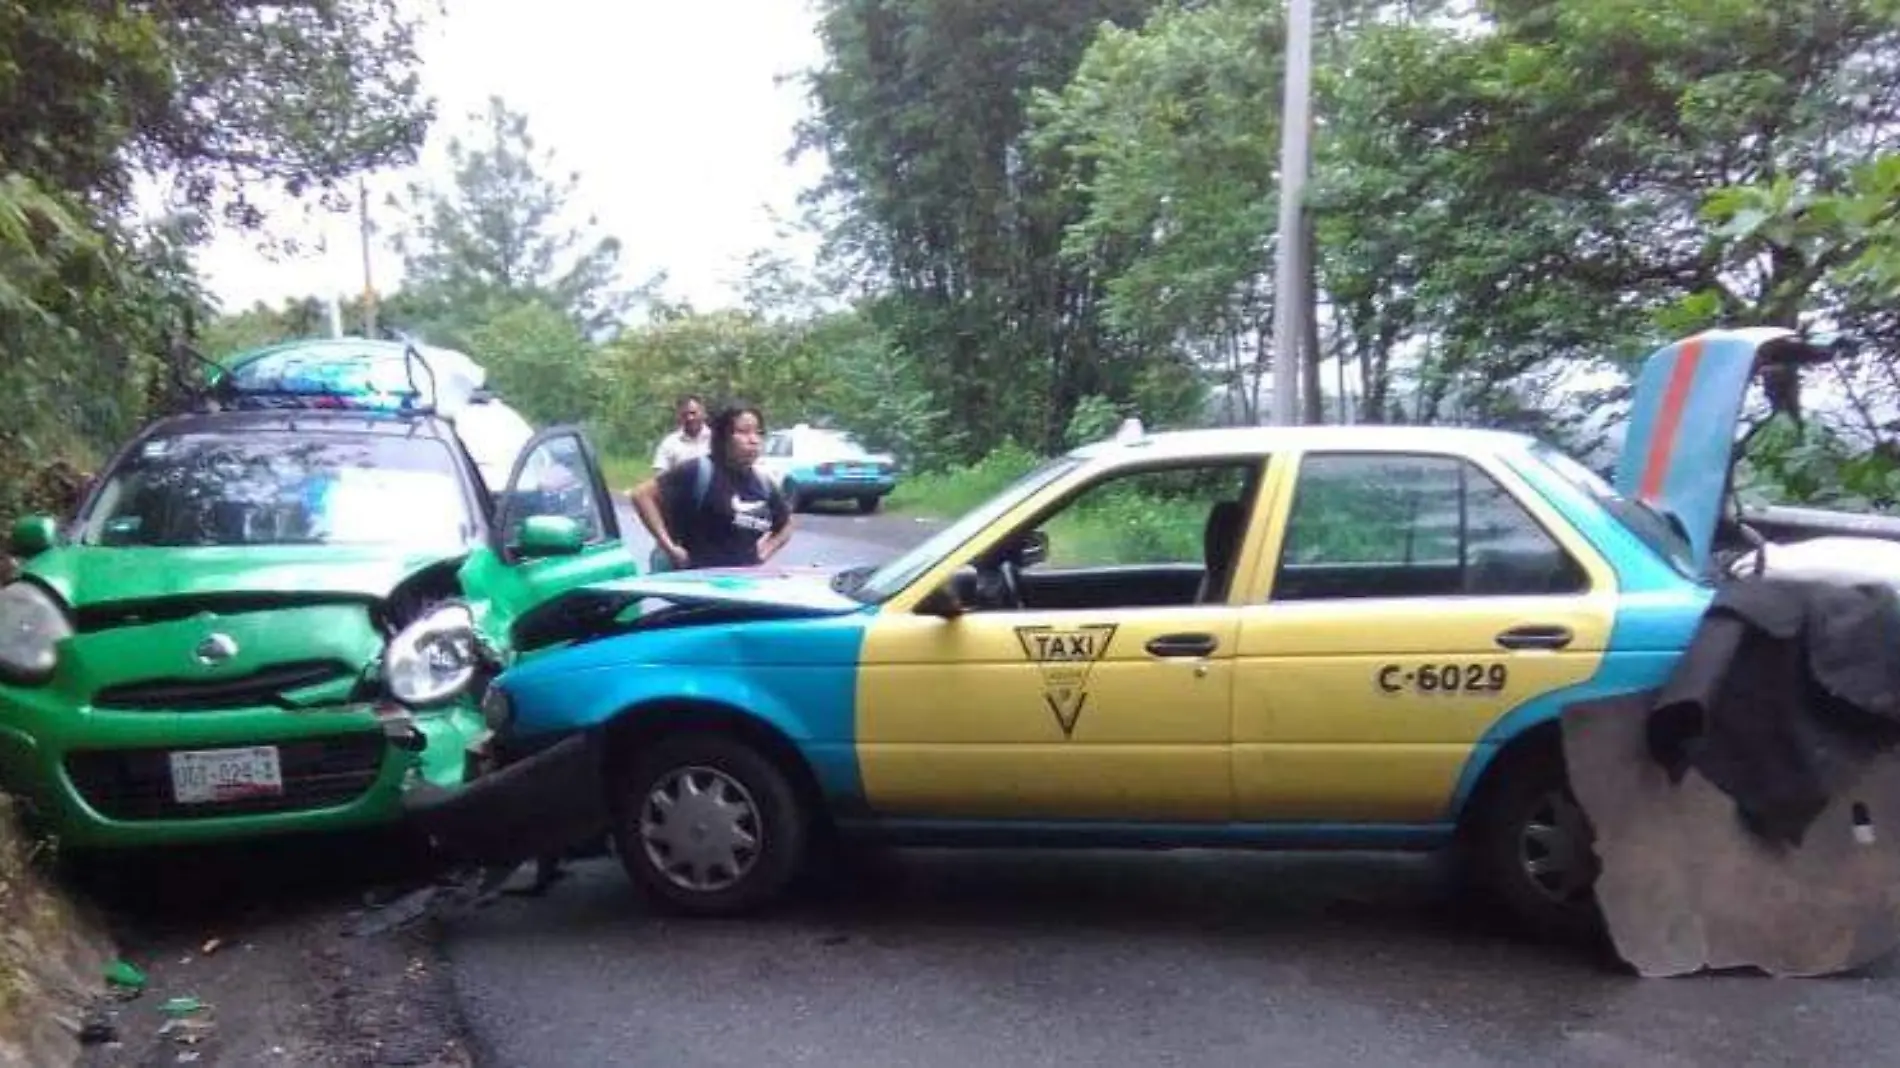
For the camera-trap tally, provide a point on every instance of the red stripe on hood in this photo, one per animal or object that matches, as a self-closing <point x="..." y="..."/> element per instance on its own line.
<point x="1662" y="442"/>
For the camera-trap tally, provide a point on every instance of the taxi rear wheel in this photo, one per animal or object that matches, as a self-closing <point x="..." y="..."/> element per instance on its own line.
<point x="1531" y="847"/>
<point x="708" y="825"/>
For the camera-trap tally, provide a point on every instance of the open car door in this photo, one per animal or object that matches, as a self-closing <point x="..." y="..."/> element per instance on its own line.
<point x="555" y="523"/>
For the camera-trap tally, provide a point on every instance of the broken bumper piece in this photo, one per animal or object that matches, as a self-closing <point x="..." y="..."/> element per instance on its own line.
<point x="537" y="806"/>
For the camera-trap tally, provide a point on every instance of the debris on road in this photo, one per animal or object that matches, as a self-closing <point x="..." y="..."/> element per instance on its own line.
<point x="183" y="1006"/>
<point x="124" y="976"/>
<point x="97" y="1031"/>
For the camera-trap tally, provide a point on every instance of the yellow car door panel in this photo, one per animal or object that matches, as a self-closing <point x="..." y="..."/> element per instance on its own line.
<point x="1414" y="601"/>
<point x="1048" y="715"/>
<point x="1099" y="686"/>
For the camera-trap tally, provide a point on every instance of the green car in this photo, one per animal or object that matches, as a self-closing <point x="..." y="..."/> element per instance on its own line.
<point x="274" y="612"/>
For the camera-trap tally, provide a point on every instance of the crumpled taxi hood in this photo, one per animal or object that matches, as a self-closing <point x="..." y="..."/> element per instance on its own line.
<point x="86" y="575"/>
<point x="803" y="589"/>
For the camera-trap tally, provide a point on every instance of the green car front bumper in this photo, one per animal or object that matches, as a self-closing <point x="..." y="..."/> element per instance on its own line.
<point x="103" y="779"/>
<point x="90" y="753"/>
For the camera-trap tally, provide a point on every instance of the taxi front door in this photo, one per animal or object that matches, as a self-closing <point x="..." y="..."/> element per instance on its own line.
<point x="1106" y="695"/>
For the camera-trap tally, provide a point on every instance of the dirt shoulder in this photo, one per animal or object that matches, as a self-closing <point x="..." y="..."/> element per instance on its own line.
<point x="290" y="990"/>
<point x="258" y="967"/>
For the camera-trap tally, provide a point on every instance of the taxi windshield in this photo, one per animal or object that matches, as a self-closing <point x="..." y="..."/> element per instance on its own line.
<point x="277" y="488"/>
<point x="892" y="577"/>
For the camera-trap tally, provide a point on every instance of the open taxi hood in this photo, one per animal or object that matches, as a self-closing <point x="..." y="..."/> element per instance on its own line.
<point x="1679" y="450"/>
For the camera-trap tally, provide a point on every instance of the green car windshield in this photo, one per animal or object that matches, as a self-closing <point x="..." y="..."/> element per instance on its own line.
<point x="279" y="488"/>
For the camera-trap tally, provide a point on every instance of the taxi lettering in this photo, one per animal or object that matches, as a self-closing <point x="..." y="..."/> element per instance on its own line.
<point x="1064" y="657"/>
<point x="1076" y="645"/>
<point x="1469" y="677"/>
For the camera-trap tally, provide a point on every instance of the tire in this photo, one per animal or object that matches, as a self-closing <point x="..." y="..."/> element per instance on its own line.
<point x="794" y="499"/>
<point x="729" y="881"/>
<point x="1530" y="847"/>
<point x="867" y="505"/>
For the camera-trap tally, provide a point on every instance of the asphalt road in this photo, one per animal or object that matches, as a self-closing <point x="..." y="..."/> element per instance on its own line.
<point x="997" y="959"/>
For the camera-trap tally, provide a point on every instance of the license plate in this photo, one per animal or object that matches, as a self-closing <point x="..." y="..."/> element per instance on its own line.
<point x="200" y="776"/>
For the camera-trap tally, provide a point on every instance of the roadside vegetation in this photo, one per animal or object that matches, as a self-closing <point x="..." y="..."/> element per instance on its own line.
<point x="1512" y="205"/>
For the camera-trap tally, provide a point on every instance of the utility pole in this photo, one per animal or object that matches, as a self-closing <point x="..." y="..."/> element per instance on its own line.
<point x="1289" y="309"/>
<point x="369" y="288"/>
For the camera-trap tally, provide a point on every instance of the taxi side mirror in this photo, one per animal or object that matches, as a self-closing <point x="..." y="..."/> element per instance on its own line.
<point x="942" y="602"/>
<point x="1033" y="549"/>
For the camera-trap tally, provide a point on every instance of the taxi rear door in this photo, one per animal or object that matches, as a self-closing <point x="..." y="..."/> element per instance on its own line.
<point x="1407" y="602"/>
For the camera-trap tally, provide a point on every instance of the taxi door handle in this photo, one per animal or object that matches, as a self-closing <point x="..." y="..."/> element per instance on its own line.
<point x="1183" y="645"/>
<point x="1535" y="637"/>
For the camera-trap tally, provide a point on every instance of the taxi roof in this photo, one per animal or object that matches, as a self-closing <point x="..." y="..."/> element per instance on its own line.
<point x="1259" y="440"/>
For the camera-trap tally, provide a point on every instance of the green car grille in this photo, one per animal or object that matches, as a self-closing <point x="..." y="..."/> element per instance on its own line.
<point x="267" y="686"/>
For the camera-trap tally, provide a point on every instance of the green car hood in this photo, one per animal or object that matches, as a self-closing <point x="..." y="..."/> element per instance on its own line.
<point x="87" y="576"/>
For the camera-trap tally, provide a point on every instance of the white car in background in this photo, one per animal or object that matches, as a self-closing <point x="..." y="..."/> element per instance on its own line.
<point x="812" y="463"/>
<point x="494" y="434"/>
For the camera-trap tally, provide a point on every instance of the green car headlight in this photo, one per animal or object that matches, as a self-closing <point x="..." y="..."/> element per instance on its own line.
<point x="433" y="659"/>
<point x="31" y="627"/>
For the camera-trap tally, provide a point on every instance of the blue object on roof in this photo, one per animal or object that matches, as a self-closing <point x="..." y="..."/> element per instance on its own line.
<point x="358" y="374"/>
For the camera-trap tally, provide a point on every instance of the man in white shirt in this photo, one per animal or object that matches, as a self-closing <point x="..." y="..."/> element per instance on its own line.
<point x="690" y="441"/>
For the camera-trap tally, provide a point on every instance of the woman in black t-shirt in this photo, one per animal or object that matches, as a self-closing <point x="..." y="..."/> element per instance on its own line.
<point x="718" y="511"/>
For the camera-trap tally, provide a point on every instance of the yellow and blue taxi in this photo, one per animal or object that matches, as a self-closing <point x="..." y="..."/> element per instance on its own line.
<point x="1315" y="637"/>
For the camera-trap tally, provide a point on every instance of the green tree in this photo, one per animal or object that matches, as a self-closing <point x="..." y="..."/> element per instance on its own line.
<point x="538" y="358"/>
<point x="922" y="112"/>
<point x="215" y="100"/>
<point x="1171" y="128"/>
<point x="1544" y="174"/>
<point x="495" y="237"/>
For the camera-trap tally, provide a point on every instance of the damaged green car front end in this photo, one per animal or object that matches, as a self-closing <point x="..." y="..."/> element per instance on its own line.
<point x="261" y="623"/>
<point x="216" y="707"/>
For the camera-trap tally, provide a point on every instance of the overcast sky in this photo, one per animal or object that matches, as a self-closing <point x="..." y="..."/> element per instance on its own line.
<point x="668" y="110"/>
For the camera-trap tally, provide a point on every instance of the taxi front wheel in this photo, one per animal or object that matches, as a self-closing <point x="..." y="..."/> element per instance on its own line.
<point x="709" y="826"/>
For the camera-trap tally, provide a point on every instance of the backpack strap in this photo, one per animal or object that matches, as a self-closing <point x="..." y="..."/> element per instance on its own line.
<point x="702" y="481"/>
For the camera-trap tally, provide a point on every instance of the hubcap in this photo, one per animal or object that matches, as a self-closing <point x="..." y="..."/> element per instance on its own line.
<point x="700" y="828"/>
<point x="1554" y="849"/>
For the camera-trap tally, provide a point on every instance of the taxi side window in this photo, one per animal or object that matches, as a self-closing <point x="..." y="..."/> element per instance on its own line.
<point x="1158" y="537"/>
<point x="1386" y="525"/>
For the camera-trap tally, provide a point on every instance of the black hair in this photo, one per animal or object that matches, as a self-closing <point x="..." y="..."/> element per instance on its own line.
<point x="722" y="424"/>
<point x="688" y="398"/>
